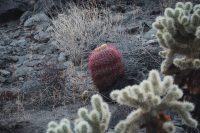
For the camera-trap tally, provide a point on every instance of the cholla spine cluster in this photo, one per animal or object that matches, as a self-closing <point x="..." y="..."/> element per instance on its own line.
<point x="149" y="98"/>
<point x="95" y="121"/>
<point x="178" y="32"/>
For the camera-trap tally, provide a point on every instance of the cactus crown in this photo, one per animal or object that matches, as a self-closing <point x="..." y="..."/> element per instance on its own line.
<point x="178" y="32"/>
<point x="103" y="46"/>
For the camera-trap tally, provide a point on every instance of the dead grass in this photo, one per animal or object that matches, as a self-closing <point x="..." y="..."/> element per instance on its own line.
<point x="61" y="86"/>
<point x="81" y="28"/>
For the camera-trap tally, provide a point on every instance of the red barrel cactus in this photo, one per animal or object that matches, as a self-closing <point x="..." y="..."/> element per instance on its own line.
<point x="105" y="66"/>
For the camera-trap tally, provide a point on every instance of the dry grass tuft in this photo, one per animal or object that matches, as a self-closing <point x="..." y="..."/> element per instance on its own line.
<point x="80" y="29"/>
<point x="63" y="86"/>
<point x="52" y="77"/>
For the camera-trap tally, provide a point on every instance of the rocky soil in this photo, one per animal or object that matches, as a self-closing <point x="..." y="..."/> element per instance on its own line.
<point x="39" y="83"/>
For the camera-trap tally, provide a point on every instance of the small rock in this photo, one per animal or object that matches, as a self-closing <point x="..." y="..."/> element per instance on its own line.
<point x="4" y="72"/>
<point x="32" y="63"/>
<point x="49" y="6"/>
<point x="50" y="29"/>
<point x="21" y="60"/>
<point x="150" y="34"/>
<point x="152" y="42"/>
<point x="21" y="79"/>
<point x="12" y="9"/>
<point x="5" y="39"/>
<point x="1" y="42"/>
<point x="23" y="71"/>
<point x="42" y="27"/>
<point x="44" y="48"/>
<point x="35" y="56"/>
<point x="8" y="58"/>
<point x="155" y="11"/>
<point x="146" y="26"/>
<point x="31" y="85"/>
<point x="25" y="16"/>
<point x="2" y="49"/>
<point x="132" y="30"/>
<point x="118" y="9"/>
<point x="55" y="44"/>
<point x="19" y="43"/>
<point x="68" y="64"/>
<point x="62" y="57"/>
<point x="36" y="19"/>
<point x="2" y="79"/>
<point x="15" y="34"/>
<point x="42" y="37"/>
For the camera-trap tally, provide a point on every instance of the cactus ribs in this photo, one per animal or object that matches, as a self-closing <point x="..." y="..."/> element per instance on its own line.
<point x="105" y="66"/>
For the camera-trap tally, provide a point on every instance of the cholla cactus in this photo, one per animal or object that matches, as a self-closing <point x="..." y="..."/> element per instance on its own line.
<point x="178" y="32"/>
<point x="150" y="98"/>
<point x="95" y="121"/>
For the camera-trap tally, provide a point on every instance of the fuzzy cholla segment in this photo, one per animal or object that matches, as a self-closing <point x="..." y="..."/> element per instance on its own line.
<point x="178" y="32"/>
<point x="95" y="121"/>
<point x="151" y="97"/>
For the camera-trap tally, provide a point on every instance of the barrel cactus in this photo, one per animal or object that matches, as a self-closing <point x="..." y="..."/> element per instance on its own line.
<point x="106" y="66"/>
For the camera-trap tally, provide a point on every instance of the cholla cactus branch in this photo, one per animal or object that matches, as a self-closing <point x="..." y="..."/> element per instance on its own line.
<point x="150" y="98"/>
<point x="169" y="127"/>
<point x="62" y="127"/>
<point x="95" y="121"/>
<point x="178" y="32"/>
<point x="132" y="122"/>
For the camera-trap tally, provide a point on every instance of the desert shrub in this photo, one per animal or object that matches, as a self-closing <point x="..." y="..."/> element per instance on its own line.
<point x="79" y="29"/>
<point x="52" y="76"/>
<point x="62" y="85"/>
<point x="53" y="80"/>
